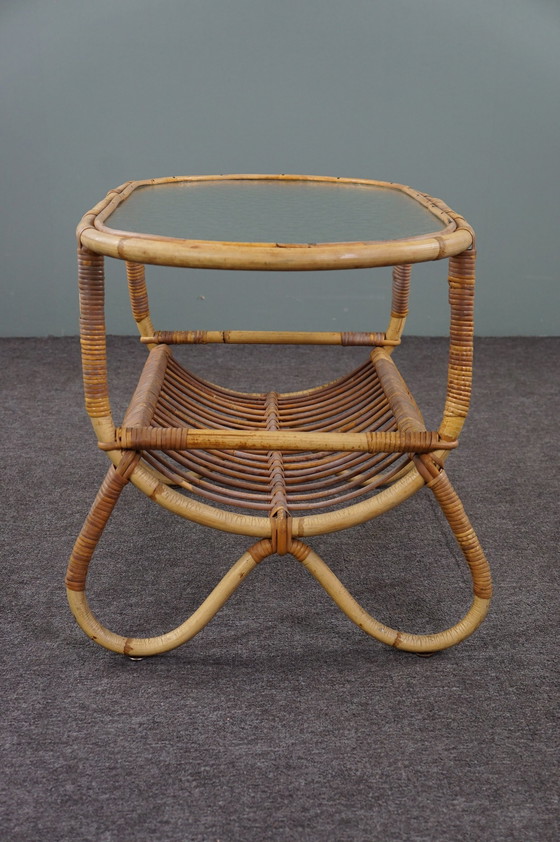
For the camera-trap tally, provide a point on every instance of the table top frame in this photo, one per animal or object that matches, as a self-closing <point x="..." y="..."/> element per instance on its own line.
<point x="95" y="234"/>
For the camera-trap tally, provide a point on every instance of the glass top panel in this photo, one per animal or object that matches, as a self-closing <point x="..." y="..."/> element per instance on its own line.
<point x="273" y="211"/>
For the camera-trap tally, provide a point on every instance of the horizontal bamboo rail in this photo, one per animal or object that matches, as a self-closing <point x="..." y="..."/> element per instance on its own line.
<point x="265" y="337"/>
<point x="180" y="438"/>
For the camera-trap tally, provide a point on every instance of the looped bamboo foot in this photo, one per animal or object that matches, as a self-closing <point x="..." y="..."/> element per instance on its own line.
<point x="425" y="644"/>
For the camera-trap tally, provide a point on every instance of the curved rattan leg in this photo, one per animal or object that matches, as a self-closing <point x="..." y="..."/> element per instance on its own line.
<point x="144" y="646"/>
<point x="103" y="506"/>
<point x="418" y="643"/>
<point x="78" y="565"/>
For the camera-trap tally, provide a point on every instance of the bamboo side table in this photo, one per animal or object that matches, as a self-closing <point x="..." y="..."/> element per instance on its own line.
<point x="279" y="468"/>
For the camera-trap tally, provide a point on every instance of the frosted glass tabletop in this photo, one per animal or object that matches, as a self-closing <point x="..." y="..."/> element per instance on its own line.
<point x="273" y="211"/>
<point x="272" y="223"/>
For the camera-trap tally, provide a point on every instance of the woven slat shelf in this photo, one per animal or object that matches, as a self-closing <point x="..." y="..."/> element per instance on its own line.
<point x="187" y="409"/>
<point x="278" y="467"/>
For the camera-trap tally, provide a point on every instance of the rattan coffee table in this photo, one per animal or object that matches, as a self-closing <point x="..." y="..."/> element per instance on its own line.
<point x="277" y="467"/>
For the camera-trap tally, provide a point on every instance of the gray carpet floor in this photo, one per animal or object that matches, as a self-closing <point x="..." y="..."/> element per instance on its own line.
<point x="281" y="720"/>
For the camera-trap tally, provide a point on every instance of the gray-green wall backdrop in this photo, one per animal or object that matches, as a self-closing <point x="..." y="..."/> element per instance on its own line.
<point x="458" y="99"/>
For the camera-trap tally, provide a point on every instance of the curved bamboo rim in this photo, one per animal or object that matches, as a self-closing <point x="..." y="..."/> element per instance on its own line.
<point x="148" y="480"/>
<point x="94" y="234"/>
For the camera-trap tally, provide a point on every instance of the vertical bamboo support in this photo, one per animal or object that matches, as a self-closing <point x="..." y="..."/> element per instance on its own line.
<point x="461" y="336"/>
<point x="91" y="284"/>
<point x="464" y="533"/>
<point x="138" y="293"/>
<point x="100" y="512"/>
<point x="399" y="304"/>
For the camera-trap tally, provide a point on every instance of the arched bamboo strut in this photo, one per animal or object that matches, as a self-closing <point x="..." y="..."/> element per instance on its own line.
<point x="103" y="506"/>
<point x="419" y="643"/>
<point x="78" y="566"/>
<point x="145" y="646"/>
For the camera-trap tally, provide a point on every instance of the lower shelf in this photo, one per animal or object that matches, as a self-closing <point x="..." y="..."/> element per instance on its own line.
<point x="251" y="480"/>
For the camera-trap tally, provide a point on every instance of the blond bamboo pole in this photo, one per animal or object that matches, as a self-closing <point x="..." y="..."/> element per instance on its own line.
<point x="464" y="533"/>
<point x="142" y="647"/>
<point x="206" y="254"/>
<point x="473" y="554"/>
<point x="148" y="482"/>
<point x="96" y="520"/>
<point x="387" y="499"/>
<point x="137" y="290"/>
<point x="426" y="643"/>
<point x="419" y="643"/>
<point x="265" y="337"/>
<point x="145" y="398"/>
<point x="181" y="438"/>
